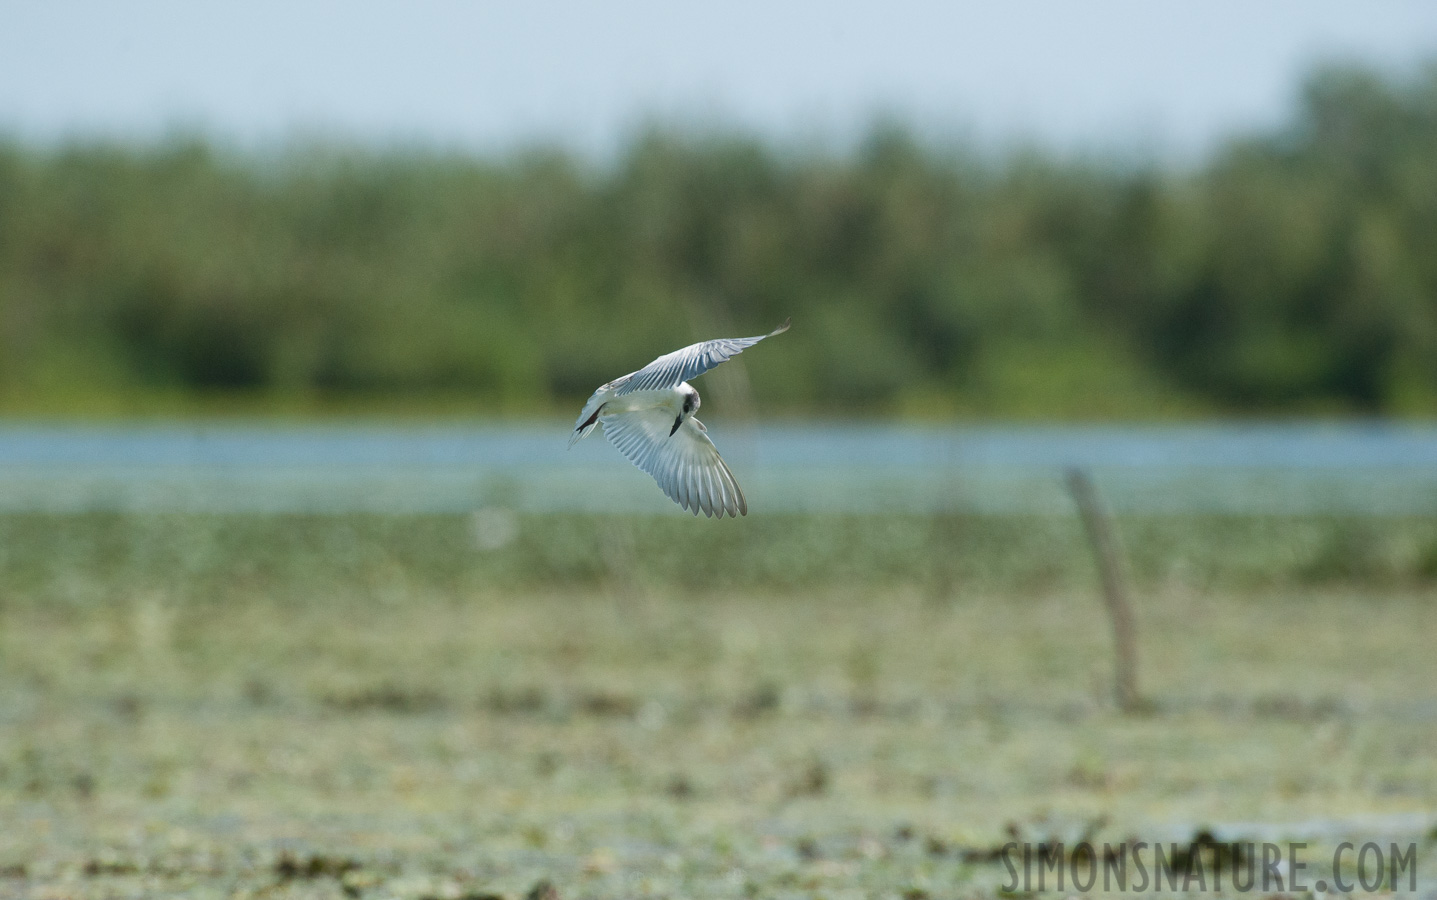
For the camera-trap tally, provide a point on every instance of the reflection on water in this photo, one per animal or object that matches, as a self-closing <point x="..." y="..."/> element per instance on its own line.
<point x="1369" y="469"/>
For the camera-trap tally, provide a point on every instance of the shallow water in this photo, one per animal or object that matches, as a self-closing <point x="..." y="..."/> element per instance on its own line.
<point x="1371" y="469"/>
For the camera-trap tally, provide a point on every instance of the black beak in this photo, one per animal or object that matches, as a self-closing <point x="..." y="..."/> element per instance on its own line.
<point x="677" y="422"/>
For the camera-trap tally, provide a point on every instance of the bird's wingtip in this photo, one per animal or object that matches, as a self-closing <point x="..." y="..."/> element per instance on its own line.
<point x="782" y="328"/>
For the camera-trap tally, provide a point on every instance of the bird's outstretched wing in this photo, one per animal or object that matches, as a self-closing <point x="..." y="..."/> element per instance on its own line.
<point x="692" y="361"/>
<point x="686" y="464"/>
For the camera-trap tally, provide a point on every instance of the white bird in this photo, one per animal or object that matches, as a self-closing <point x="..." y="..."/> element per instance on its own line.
<point x="649" y="416"/>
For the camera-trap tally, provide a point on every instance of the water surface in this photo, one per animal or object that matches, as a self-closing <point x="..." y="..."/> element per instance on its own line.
<point x="1373" y="469"/>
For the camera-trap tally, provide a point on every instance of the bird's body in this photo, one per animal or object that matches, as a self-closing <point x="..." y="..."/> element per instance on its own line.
<point x="649" y="416"/>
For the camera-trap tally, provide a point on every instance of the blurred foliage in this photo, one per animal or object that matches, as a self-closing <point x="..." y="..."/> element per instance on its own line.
<point x="57" y="561"/>
<point x="1293" y="272"/>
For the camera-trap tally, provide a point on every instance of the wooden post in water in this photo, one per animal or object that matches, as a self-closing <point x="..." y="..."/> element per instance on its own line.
<point x="1116" y="590"/>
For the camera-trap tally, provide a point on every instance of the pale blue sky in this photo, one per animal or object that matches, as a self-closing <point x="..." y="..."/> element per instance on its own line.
<point x="1168" y="77"/>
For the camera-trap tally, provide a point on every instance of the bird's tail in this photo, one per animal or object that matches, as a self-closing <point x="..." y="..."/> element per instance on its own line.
<point x="588" y="420"/>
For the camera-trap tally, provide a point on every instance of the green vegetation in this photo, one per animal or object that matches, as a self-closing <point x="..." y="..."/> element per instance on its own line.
<point x="377" y="708"/>
<point x="1291" y="273"/>
<point x="51" y="560"/>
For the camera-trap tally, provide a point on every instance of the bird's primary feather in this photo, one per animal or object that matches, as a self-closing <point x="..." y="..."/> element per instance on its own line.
<point x="686" y="464"/>
<point x="673" y="369"/>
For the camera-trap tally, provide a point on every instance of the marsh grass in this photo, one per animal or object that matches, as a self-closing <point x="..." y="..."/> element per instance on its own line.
<point x="383" y="707"/>
<point x="70" y="560"/>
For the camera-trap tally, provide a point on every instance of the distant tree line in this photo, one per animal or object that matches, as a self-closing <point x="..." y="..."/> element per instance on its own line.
<point x="1293" y="272"/>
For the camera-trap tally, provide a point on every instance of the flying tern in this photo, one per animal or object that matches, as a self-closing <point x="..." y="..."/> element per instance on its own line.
<point x="649" y="416"/>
